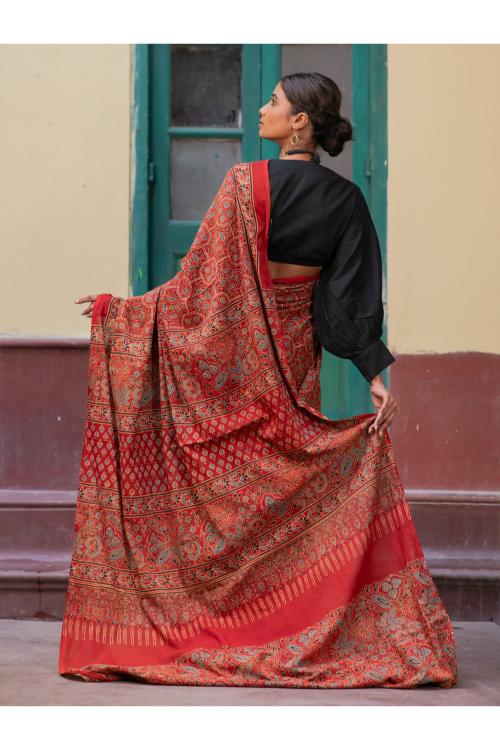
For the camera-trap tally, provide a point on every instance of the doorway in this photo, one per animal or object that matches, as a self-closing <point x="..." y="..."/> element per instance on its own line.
<point x="195" y="113"/>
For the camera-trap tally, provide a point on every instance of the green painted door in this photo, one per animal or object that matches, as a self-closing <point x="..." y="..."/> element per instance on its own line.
<point x="195" y="112"/>
<point x="202" y="105"/>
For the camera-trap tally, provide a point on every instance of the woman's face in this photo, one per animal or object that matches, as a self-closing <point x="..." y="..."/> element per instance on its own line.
<point x="275" y="120"/>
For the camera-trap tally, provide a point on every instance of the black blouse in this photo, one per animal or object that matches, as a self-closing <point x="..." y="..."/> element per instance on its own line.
<point x="320" y="218"/>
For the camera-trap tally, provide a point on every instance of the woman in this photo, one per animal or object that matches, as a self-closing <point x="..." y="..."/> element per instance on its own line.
<point x="227" y="532"/>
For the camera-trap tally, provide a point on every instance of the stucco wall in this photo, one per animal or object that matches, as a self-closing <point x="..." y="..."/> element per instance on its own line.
<point x="443" y="220"/>
<point x="64" y="184"/>
<point x="65" y="190"/>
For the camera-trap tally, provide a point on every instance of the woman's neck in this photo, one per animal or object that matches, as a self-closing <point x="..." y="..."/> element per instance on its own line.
<point x="297" y="154"/>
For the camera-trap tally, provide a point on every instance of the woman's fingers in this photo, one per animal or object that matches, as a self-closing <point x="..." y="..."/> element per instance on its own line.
<point x="88" y="298"/>
<point x="381" y="412"/>
<point x="386" y="421"/>
<point x="385" y="415"/>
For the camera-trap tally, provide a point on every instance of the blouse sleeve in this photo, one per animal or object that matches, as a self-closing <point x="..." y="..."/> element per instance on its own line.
<point x="347" y="302"/>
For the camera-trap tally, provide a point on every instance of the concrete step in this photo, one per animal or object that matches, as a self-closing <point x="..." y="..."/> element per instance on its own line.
<point x="468" y="585"/>
<point x="35" y="587"/>
<point x="37" y="531"/>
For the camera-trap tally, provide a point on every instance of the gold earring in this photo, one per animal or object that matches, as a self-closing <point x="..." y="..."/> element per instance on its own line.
<point x="282" y="154"/>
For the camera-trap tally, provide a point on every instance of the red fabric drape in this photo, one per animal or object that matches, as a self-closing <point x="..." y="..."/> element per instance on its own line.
<point x="227" y="532"/>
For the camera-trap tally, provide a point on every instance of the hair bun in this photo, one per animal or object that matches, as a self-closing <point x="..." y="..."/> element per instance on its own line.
<point x="332" y="136"/>
<point x="321" y="98"/>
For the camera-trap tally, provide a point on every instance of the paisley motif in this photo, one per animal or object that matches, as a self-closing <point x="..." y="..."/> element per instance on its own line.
<point x="226" y="531"/>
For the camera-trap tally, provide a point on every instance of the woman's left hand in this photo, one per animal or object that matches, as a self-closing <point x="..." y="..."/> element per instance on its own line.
<point x="386" y="405"/>
<point x="89" y="298"/>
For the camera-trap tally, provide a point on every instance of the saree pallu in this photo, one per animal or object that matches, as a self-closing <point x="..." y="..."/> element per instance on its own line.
<point x="226" y="531"/>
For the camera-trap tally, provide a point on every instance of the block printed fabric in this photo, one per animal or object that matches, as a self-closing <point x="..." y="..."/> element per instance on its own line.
<point x="226" y="531"/>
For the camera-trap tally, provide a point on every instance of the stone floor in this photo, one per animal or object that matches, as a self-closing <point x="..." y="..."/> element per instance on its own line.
<point x="29" y="677"/>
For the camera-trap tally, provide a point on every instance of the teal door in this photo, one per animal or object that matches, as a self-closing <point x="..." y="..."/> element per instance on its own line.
<point x="202" y="104"/>
<point x="195" y="113"/>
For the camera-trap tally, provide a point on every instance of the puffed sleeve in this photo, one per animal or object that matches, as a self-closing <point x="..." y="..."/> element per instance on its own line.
<point x="347" y="301"/>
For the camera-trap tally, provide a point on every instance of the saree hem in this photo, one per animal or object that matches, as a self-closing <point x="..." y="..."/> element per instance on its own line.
<point x="362" y="654"/>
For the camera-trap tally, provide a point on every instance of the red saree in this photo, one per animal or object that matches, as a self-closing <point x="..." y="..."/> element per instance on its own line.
<point x="226" y="531"/>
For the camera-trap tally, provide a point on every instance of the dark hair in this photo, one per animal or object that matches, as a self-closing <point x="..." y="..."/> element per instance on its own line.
<point x="320" y="97"/>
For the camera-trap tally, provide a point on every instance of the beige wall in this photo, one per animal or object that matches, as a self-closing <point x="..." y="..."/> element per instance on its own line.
<point x="64" y="183"/>
<point x="443" y="197"/>
<point x="64" y="190"/>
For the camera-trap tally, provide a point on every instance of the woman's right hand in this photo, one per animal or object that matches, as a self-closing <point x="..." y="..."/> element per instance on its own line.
<point x="386" y="406"/>
<point x="89" y="298"/>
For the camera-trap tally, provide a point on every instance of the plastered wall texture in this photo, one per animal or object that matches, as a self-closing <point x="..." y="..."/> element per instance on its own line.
<point x="64" y="184"/>
<point x="65" y="190"/>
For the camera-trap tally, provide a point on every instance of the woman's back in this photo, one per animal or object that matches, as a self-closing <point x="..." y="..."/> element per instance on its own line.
<point x="310" y="207"/>
<point x="321" y="220"/>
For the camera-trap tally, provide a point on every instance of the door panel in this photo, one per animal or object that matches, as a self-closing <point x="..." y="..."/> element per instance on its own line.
<point x="204" y="118"/>
<point x="217" y="101"/>
<point x="197" y="168"/>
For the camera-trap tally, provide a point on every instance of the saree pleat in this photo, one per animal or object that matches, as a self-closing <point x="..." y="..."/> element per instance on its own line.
<point x="226" y="531"/>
